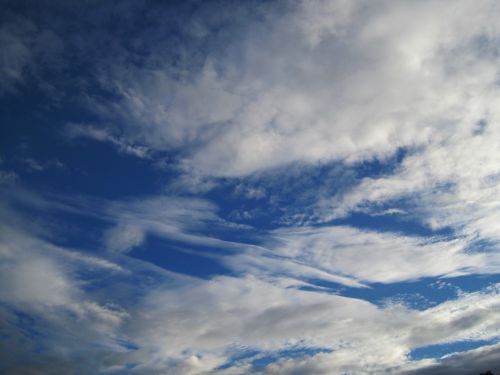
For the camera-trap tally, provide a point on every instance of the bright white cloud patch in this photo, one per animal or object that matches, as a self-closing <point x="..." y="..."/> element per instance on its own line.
<point x="327" y="80"/>
<point x="379" y="257"/>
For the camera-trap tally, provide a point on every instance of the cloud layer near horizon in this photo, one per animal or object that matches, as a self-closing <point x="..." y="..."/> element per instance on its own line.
<point x="167" y="330"/>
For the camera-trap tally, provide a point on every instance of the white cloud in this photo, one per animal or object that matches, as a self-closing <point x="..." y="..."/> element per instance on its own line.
<point x="471" y="362"/>
<point x="335" y="81"/>
<point x="176" y="218"/>
<point x="326" y="81"/>
<point x="253" y="314"/>
<point x="8" y="177"/>
<point x="73" y="131"/>
<point x="368" y="256"/>
<point x="33" y="165"/>
<point x="187" y="325"/>
<point x="25" y="50"/>
<point x="41" y="282"/>
<point x="15" y="38"/>
<point x="124" y="237"/>
<point x="33" y="280"/>
<point x="451" y="184"/>
<point x="339" y="254"/>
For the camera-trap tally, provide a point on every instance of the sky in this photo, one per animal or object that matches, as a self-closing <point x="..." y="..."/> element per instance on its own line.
<point x="249" y="187"/>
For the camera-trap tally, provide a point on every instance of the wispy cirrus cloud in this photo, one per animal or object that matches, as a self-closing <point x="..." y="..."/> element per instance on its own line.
<point x="371" y="256"/>
<point x="74" y="131"/>
<point x="164" y="321"/>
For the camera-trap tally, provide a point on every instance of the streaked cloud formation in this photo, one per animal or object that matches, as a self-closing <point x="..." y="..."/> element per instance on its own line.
<point x="274" y="187"/>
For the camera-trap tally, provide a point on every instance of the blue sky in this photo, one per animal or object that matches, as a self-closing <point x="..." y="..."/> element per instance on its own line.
<point x="258" y="187"/>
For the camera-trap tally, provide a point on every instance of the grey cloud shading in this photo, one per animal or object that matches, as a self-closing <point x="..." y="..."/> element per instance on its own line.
<point x="185" y="325"/>
<point x="28" y="50"/>
<point x="470" y="362"/>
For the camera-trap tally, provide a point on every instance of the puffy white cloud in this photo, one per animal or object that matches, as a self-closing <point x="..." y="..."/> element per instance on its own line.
<point x="249" y="313"/>
<point x="326" y="81"/>
<point x="335" y="81"/>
